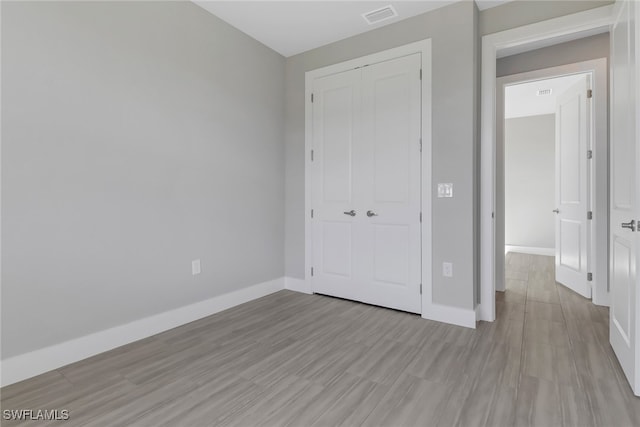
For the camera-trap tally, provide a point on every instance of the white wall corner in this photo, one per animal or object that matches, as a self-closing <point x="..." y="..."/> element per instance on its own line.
<point x="453" y="315"/>
<point x="23" y="366"/>
<point x="297" y="285"/>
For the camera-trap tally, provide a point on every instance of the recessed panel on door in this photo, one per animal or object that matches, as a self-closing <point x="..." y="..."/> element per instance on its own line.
<point x="621" y="293"/>
<point x="392" y="132"/>
<point x="569" y="141"/>
<point x="336" y="248"/>
<point x="337" y="137"/>
<point x="570" y="243"/>
<point x="391" y="256"/>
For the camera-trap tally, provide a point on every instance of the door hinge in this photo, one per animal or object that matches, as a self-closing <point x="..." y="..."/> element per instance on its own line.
<point x="589" y="214"/>
<point x="589" y="93"/>
<point x="589" y="154"/>
<point x="312" y="271"/>
<point x="589" y="277"/>
<point x="420" y="288"/>
<point x="421" y="145"/>
<point x="311" y="213"/>
<point x="420" y="73"/>
<point x="420" y="216"/>
<point x="312" y="155"/>
<point x="312" y="98"/>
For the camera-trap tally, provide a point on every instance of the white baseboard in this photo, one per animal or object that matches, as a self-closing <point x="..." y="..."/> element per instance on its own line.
<point x="530" y="250"/>
<point x="452" y="315"/>
<point x="298" y="285"/>
<point x="23" y="366"/>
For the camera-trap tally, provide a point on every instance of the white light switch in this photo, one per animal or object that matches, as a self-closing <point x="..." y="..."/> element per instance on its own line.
<point x="445" y="189"/>
<point x="195" y="267"/>
<point x="447" y="269"/>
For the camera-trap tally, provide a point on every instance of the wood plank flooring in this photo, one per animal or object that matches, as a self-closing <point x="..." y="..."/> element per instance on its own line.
<point x="309" y="360"/>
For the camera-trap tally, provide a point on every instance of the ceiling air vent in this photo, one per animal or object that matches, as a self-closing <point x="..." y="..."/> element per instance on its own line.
<point x="380" y="15"/>
<point x="543" y="92"/>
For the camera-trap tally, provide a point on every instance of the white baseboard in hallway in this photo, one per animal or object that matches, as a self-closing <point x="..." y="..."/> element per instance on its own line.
<point x="530" y="250"/>
<point x="34" y="363"/>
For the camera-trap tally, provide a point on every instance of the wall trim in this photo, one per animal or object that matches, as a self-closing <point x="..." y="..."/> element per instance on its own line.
<point x="297" y="285"/>
<point x="600" y="17"/>
<point x="27" y="365"/>
<point x="452" y="315"/>
<point x="530" y="250"/>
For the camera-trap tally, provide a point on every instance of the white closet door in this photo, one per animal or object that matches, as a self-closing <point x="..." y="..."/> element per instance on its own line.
<point x="391" y="116"/>
<point x="366" y="184"/>
<point x="336" y="110"/>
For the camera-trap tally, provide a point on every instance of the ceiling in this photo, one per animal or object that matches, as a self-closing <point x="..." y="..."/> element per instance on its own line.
<point x="522" y="100"/>
<point x="292" y="27"/>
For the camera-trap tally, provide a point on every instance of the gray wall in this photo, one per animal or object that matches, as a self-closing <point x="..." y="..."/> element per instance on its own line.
<point x="137" y="136"/>
<point x="529" y="159"/>
<point x="522" y="12"/>
<point x="580" y="50"/>
<point x="452" y="30"/>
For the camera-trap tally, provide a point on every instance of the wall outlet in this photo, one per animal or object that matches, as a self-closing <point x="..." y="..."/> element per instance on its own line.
<point x="447" y="269"/>
<point x="195" y="267"/>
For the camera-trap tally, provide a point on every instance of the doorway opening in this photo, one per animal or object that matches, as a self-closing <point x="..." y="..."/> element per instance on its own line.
<point x="551" y="178"/>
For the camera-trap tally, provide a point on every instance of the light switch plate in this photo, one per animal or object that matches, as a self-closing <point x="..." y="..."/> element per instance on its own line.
<point x="445" y="189"/>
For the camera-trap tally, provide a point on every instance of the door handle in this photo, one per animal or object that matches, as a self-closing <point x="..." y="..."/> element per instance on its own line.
<point x="556" y="211"/>
<point x="350" y="213"/>
<point x="371" y="213"/>
<point x="631" y="225"/>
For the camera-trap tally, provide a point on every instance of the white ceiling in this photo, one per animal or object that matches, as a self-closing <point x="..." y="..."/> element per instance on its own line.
<point x="521" y="100"/>
<point x="292" y="27"/>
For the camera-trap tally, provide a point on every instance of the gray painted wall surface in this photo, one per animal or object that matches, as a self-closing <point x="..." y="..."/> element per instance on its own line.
<point x="136" y="137"/>
<point x="454" y="136"/>
<point x="580" y="50"/>
<point x="518" y="13"/>
<point x="529" y="154"/>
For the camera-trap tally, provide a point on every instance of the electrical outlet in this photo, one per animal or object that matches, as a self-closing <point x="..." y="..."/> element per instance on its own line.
<point x="195" y="267"/>
<point x="447" y="269"/>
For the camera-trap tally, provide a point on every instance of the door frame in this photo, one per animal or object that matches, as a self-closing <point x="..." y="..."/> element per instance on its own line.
<point x="492" y="45"/>
<point x="598" y="246"/>
<point x="424" y="48"/>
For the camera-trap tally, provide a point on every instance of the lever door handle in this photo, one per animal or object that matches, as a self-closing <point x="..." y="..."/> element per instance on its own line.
<point x="350" y="213"/>
<point x="371" y="213"/>
<point x="556" y="211"/>
<point x="631" y="225"/>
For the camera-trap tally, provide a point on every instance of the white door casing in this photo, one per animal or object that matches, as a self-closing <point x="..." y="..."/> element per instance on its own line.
<point x="492" y="46"/>
<point x="572" y="187"/>
<point x="624" y="329"/>
<point x="366" y="184"/>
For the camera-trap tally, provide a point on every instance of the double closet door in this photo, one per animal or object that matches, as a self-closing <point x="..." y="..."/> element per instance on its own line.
<point x="366" y="170"/>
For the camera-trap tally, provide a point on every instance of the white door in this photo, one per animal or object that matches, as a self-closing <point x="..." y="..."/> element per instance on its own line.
<point x="572" y="192"/>
<point x="336" y="225"/>
<point x="366" y="184"/>
<point x="391" y="176"/>
<point x="624" y="193"/>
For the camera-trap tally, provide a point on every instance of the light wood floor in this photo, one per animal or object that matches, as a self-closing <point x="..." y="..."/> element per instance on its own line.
<point x="306" y="360"/>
